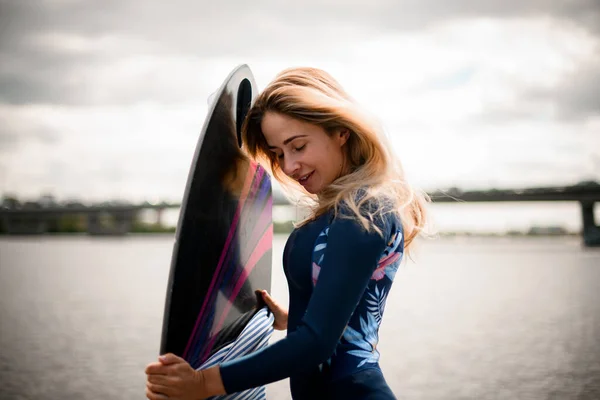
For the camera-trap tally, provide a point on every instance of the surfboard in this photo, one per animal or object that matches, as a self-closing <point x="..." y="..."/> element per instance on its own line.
<point x="223" y="242"/>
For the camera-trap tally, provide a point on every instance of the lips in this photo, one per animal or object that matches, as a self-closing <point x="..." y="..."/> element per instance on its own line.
<point x="304" y="178"/>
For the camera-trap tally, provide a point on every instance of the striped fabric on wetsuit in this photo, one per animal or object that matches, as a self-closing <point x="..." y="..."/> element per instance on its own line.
<point x="254" y="336"/>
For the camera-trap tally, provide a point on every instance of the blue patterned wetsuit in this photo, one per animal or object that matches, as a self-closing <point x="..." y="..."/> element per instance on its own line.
<point x="339" y="276"/>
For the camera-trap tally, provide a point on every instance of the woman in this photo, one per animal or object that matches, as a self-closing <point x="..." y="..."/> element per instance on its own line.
<point x="340" y="262"/>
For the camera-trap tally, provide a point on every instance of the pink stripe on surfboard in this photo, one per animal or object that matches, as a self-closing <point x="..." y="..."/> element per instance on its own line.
<point x="264" y="220"/>
<point x="225" y="252"/>
<point x="259" y="229"/>
<point x="247" y="183"/>
<point x="263" y="246"/>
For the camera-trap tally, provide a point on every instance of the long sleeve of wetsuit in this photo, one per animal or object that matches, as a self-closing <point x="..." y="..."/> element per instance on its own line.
<point x="350" y="258"/>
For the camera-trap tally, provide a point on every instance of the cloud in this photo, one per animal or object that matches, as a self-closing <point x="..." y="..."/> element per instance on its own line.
<point x="576" y="96"/>
<point x="66" y="52"/>
<point x="16" y="133"/>
<point x="8" y="141"/>
<point x="127" y="152"/>
<point x="107" y="99"/>
<point x="573" y="97"/>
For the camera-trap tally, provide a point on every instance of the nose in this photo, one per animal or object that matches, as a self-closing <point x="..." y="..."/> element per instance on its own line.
<point x="291" y="167"/>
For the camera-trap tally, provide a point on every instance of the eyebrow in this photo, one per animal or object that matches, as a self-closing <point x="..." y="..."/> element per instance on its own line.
<point x="286" y="141"/>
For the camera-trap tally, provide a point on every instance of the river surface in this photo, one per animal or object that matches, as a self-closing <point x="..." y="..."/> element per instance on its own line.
<point x="468" y="318"/>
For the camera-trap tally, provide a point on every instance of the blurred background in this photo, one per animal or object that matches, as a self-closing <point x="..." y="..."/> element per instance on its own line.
<point x="495" y="103"/>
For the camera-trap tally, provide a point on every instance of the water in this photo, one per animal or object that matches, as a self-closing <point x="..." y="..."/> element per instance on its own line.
<point x="470" y="318"/>
<point x="497" y="217"/>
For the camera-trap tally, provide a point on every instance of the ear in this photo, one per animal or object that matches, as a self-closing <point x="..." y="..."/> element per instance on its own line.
<point x="344" y="135"/>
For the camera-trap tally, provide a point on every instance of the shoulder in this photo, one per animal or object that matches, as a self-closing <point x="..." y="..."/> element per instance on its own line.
<point x="372" y="215"/>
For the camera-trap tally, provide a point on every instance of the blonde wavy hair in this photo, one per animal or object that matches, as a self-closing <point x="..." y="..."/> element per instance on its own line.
<point x="375" y="183"/>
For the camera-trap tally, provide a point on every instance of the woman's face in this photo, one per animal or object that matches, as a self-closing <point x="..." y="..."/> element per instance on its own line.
<point x="305" y="152"/>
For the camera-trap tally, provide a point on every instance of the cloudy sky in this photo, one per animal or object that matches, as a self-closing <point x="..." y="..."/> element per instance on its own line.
<point x="105" y="99"/>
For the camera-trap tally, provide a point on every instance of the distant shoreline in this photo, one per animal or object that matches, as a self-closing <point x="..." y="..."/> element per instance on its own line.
<point x="286" y="232"/>
<point x="77" y="227"/>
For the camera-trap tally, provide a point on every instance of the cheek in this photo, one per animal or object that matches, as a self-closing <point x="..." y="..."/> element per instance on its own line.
<point x="333" y="155"/>
<point x="329" y="164"/>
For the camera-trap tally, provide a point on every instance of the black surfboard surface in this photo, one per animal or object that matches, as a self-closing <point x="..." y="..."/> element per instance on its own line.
<point x="223" y="245"/>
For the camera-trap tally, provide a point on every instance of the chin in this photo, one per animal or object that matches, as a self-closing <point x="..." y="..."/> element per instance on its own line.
<point x="309" y="190"/>
<point x="314" y="191"/>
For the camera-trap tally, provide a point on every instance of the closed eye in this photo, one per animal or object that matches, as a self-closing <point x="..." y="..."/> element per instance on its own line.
<point x="279" y="156"/>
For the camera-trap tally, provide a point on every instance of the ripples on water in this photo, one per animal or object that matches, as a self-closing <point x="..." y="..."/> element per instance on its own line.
<point x="471" y="318"/>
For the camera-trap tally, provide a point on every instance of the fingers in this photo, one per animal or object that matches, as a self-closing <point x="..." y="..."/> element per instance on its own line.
<point x="165" y="377"/>
<point x="268" y="298"/>
<point x="156" y="368"/>
<point x="155" y="396"/>
<point x="158" y="389"/>
<point x="170" y="358"/>
<point x="160" y="369"/>
<point x="159" y="380"/>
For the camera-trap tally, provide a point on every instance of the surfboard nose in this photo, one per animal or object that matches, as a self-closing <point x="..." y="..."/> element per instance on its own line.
<point x="244" y="101"/>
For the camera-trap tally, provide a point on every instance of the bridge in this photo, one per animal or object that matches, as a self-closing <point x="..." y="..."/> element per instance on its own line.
<point x="118" y="219"/>
<point x="585" y="193"/>
<point x="98" y="219"/>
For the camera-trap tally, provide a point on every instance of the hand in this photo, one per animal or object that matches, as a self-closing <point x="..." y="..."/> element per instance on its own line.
<point x="280" y="313"/>
<point x="173" y="378"/>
